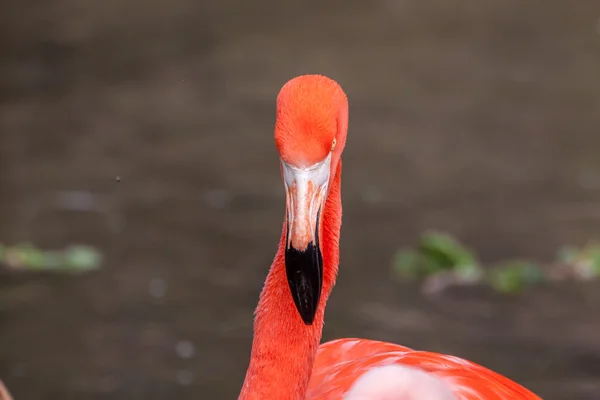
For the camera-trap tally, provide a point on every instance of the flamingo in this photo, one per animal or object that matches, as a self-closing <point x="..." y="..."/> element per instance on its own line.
<point x="286" y="361"/>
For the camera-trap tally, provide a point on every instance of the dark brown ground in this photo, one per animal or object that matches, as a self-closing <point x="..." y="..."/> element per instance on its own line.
<point x="477" y="117"/>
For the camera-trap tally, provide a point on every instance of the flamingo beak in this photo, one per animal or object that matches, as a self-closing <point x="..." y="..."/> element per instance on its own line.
<point x="306" y="193"/>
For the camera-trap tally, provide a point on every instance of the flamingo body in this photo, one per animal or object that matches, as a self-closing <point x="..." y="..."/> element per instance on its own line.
<point x="341" y="364"/>
<point x="287" y="362"/>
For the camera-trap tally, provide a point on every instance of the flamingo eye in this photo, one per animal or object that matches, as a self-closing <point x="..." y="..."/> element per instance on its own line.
<point x="333" y="144"/>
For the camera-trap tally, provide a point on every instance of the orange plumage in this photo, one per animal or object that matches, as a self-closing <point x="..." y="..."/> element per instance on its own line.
<point x="287" y="362"/>
<point x="347" y="359"/>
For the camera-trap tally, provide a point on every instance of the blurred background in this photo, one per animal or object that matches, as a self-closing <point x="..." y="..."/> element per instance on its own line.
<point x="144" y="131"/>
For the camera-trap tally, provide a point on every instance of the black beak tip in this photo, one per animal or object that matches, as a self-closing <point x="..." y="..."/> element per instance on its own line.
<point x="305" y="277"/>
<point x="308" y="318"/>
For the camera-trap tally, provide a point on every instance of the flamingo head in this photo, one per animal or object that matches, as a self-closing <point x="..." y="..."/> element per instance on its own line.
<point x="310" y="134"/>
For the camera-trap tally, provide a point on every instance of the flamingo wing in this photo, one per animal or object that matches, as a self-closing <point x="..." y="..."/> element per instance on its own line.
<point x="367" y="369"/>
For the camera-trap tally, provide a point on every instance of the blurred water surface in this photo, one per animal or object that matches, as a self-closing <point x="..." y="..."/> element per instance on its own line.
<point x="480" y="118"/>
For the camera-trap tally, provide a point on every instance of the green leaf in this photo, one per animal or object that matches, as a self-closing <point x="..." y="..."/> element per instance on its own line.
<point x="82" y="258"/>
<point x="446" y="252"/>
<point x="514" y="275"/>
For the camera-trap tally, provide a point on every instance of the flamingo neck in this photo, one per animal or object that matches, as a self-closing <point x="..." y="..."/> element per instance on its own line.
<point x="284" y="348"/>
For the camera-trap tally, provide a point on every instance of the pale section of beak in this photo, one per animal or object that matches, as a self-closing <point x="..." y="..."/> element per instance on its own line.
<point x="306" y="192"/>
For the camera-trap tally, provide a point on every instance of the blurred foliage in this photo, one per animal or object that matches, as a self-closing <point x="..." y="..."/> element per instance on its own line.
<point x="75" y="258"/>
<point x="435" y="252"/>
<point x="585" y="262"/>
<point x="514" y="275"/>
<point x="438" y="261"/>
